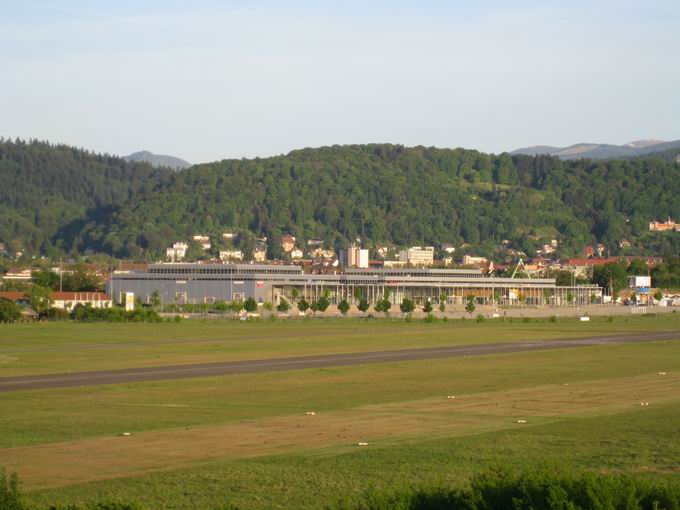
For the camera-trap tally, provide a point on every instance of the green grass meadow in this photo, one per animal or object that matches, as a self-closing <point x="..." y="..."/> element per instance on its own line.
<point x="619" y="437"/>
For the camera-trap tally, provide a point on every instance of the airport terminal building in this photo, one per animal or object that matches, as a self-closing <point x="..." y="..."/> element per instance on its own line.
<point x="194" y="283"/>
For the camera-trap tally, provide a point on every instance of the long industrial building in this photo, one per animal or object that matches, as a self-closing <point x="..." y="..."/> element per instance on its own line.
<point x="185" y="283"/>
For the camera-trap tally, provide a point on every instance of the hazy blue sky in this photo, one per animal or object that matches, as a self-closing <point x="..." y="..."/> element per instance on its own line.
<point x="208" y="80"/>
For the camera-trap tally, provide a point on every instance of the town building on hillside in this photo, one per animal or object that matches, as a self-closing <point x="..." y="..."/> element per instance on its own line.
<point x="354" y="256"/>
<point x="231" y="255"/>
<point x="545" y="250"/>
<point x="260" y="254"/>
<point x="296" y="254"/>
<point x="417" y="256"/>
<point x="315" y="242"/>
<point x="177" y="252"/>
<point x="624" y="243"/>
<point x="639" y="282"/>
<point x="228" y="235"/>
<point x="203" y="241"/>
<point x="471" y="260"/>
<point x="448" y="248"/>
<point x="17" y="274"/>
<point x="69" y="300"/>
<point x="670" y="225"/>
<point x="288" y="243"/>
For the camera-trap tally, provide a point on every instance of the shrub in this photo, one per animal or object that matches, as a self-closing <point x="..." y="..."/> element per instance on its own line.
<point x="501" y="489"/>
<point x="9" y="311"/>
<point x="430" y="318"/>
<point x="427" y="307"/>
<point x="250" y="305"/>
<point x="526" y="319"/>
<point x="177" y="318"/>
<point x="283" y="306"/>
<point x="58" y="314"/>
<point x="343" y="306"/>
<point x="89" y="314"/>
<point x="303" y="305"/>
<point x="10" y="495"/>
<point x="480" y="318"/>
<point x="407" y="306"/>
<point x="552" y="318"/>
<point x="322" y="304"/>
<point x="470" y="305"/>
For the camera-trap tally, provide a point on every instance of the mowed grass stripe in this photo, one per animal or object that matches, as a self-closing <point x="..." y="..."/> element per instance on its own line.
<point x="60" y="464"/>
<point x="58" y="415"/>
<point x="297" y="363"/>
<point x="53" y="348"/>
<point x="645" y="443"/>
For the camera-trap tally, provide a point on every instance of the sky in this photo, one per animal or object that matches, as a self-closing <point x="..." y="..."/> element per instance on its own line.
<point x="208" y="80"/>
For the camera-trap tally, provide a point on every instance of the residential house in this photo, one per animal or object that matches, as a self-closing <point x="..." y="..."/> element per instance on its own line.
<point x="670" y="225"/>
<point x="471" y="260"/>
<point x="203" y="241"/>
<point x="231" y="255"/>
<point x="177" y="252"/>
<point x="20" y="298"/>
<point x="17" y="274"/>
<point x="69" y="300"/>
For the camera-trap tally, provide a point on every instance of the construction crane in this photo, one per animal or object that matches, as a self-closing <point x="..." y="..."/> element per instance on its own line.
<point x="521" y="263"/>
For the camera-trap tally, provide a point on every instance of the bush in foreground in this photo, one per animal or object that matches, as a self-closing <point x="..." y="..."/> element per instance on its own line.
<point x="89" y="314"/>
<point x="503" y="489"/>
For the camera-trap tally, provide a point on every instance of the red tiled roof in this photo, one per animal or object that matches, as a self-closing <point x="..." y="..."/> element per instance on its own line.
<point x="13" y="295"/>
<point x="591" y="262"/>
<point x="79" y="296"/>
<point x="131" y="266"/>
<point x="650" y="261"/>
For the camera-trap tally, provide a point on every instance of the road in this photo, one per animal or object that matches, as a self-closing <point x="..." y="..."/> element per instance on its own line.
<point x="133" y="375"/>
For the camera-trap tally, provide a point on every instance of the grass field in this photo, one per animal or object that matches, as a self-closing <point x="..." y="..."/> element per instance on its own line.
<point x="62" y="347"/>
<point x="247" y="439"/>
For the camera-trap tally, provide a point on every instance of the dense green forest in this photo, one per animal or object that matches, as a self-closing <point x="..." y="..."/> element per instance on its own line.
<point x="57" y="199"/>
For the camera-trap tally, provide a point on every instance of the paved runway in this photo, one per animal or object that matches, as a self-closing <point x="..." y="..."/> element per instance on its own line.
<point x="132" y="375"/>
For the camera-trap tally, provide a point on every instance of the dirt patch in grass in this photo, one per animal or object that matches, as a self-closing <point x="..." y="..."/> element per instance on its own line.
<point x="75" y="462"/>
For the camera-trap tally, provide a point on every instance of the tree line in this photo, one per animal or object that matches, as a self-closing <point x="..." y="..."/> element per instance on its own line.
<point x="59" y="199"/>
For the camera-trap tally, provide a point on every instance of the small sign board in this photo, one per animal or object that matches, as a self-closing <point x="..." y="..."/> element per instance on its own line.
<point x="129" y="301"/>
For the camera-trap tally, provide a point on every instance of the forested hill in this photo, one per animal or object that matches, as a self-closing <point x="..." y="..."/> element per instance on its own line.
<point x="48" y="192"/>
<point x="381" y="193"/>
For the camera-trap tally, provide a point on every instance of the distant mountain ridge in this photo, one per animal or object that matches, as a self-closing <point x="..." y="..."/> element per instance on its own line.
<point x="158" y="160"/>
<point x="601" y="150"/>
